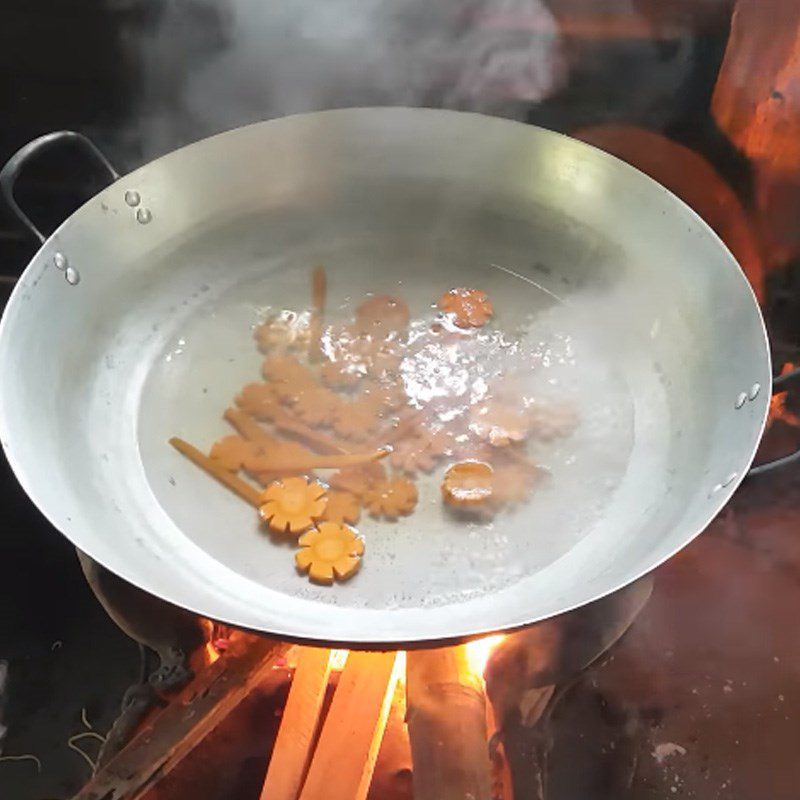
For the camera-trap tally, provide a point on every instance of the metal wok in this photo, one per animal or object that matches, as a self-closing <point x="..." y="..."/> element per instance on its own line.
<point x="165" y="258"/>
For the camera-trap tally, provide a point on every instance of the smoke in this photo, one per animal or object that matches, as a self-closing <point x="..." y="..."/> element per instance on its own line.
<point x="209" y="66"/>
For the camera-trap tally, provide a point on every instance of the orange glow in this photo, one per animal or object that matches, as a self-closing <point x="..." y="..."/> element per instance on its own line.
<point x="338" y="659"/>
<point x="479" y="650"/>
<point x="211" y="653"/>
<point x="477" y="653"/>
<point x="777" y="405"/>
<point x="400" y="669"/>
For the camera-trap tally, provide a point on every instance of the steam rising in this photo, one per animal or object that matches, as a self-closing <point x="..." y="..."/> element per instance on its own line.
<point x="212" y="66"/>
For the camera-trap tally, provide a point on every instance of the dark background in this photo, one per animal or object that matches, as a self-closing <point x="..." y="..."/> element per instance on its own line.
<point x="61" y="66"/>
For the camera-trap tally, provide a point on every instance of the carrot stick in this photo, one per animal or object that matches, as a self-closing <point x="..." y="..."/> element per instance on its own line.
<point x="319" y="288"/>
<point x="248" y="427"/>
<point x="267" y="464"/>
<point x="247" y="492"/>
<point x="284" y="421"/>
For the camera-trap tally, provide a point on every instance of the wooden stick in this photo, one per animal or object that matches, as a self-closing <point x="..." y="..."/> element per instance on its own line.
<point x="392" y="775"/>
<point x="296" y="738"/>
<point x="268" y="464"/>
<point x="164" y="743"/>
<point x="447" y="726"/>
<point x="247" y="492"/>
<point x="348" y="745"/>
<point x="500" y="770"/>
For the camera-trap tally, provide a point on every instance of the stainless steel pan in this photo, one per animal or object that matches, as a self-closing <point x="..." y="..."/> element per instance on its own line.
<point x="131" y="324"/>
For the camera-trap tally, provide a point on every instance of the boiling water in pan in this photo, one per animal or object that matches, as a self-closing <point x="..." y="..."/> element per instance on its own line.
<point x="547" y="347"/>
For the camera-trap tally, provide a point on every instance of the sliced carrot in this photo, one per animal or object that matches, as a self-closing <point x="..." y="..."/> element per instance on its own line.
<point x="330" y="552"/>
<point x="286" y="422"/>
<point x="283" y="420"/>
<point x="468" y="483"/>
<point x="392" y="498"/>
<point x="291" y="505"/>
<point x="319" y="289"/>
<point x="249" y="428"/>
<point x="247" y="492"/>
<point x="267" y="463"/>
<point x="406" y="425"/>
<point x="469" y="308"/>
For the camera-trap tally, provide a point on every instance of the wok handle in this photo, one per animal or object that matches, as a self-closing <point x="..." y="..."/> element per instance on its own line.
<point x="15" y="164"/>
<point x="782" y="383"/>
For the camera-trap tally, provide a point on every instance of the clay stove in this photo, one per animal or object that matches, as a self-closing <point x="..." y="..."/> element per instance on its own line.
<point x="426" y="724"/>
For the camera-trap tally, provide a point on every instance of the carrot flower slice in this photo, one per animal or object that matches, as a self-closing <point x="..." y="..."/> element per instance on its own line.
<point x="342" y="507"/>
<point x="381" y="315"/>
<point x="292" y="504"/>
<point x="500" y="423"/>
<point x="287" y="377"/>
<point x="342" y="374"/>
<point x="316" y="405"/>
<point x="287" y="329"/>
<point x="258" y="400"/>
<point x="233" y="452"/>
<point x="468" y="308"/>
<point x="330" y="551"/>
<point x="356" y="420"/>
<point x="421" y="451"/>
<point x="358" y="480"/>
<point x="391" y="498"/>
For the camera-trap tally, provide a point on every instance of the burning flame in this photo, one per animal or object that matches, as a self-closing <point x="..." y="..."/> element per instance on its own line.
<point x="477" y="654"/>
<point x="211" y="654"/>
<point x="338" y="659"/>
<point x="777" y="404"/>
<point x="479" y="650"/>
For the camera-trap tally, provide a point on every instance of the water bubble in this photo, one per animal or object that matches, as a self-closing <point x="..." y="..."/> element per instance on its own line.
<point x="73" y="276"/>
<point x="143" y="215"/>
<point x="132" y="198"/>
<point x="60" y="260"/>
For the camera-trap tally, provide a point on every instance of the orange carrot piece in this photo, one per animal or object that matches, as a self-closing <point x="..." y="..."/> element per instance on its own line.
<point x="277" y="464"/>
<point x="248" y="427"/>
<point x="247" y="492"/>
<point x="405" y="426"/>
<point x="468" y="483"/>
<point x="284" y="421"/>
<point x="319" y="290"/>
